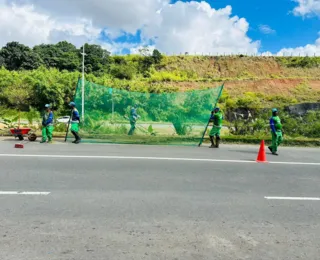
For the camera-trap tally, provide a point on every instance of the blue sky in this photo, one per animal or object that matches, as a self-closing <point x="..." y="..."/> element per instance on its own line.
<point x="291" y="31"/>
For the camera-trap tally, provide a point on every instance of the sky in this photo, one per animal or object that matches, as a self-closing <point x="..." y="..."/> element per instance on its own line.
<point x="268" y="27"/>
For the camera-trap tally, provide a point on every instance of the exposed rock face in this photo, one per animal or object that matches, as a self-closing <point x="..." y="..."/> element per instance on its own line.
<point x="240" y="114"/>
<point x="302" y="109"/>
<point x="247" y="114"/>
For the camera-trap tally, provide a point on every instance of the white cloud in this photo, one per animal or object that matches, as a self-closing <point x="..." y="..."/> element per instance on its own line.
<point x="127" y="15"/>
<point x="142" y="50"/>
<point x="307" y="50"/>
<point x="180" y="27"/>
<point x="25" y="25"/>
<point x="266" y="29"/>
<point x="267" y="53"/>
<point x="196" y="27"/>
<point x="307" y="8"/>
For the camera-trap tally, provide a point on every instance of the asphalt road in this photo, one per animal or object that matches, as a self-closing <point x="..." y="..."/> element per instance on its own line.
<point x="157" y="202"/>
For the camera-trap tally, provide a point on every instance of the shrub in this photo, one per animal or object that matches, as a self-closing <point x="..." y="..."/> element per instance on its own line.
<point x="123" y="71"/>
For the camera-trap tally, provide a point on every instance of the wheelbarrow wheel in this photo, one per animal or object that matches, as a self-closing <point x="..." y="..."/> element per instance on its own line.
<point x="32" y="137"/>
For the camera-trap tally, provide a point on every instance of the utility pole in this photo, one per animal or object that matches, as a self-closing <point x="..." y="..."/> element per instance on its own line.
<point x="83" y="55"/>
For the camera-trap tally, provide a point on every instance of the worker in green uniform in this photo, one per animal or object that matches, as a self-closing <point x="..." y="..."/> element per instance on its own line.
<point x="133" y="119"/>
<point x="47" y="125"/>
<point x="217" y="119"/>
<point x="276" y="132"/>
<point x="75" y="121"/>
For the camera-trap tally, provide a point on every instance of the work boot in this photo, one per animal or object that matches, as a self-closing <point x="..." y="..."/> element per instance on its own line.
<point x="78" y="138"/>
<point x="217" y="142"/>
<point x="212" y="142"/>
<point x="43" y="142"/>
<point x="50" y="142"/>
<point x="270" y="148"/>
<point x="275" y="153"/>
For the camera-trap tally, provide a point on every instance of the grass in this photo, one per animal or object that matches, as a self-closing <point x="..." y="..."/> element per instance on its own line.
<point x="192" y="140"/>
<point x="179" y="140"/>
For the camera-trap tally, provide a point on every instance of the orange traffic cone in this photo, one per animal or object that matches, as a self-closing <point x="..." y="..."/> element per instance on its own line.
<point x="262" y="158"/>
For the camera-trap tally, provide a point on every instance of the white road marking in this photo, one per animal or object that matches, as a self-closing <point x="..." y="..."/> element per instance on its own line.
<point x="292" y="198"/>
<point x="148" y="158"/>
<point x="24" y="193"/>
<point x="296" y="163"/>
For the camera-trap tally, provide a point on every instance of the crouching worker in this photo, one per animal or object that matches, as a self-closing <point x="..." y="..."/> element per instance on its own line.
<point x="133" y="119"/>
<point x="75" y="120"/>
<point x="47" y="125"/>
<point x="216" y="118"/>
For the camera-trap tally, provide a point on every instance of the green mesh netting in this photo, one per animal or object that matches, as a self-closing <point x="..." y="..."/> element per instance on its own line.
<point x="165" y="118"/>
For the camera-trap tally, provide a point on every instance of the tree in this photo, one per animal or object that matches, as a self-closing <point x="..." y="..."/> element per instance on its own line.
<point x="17" y="96"/>
<point x="145" y="51"/>
<point x="145" y="64"/>
<point x="63" y="55"/>
<point x="18" y="56"/>
<point x="2" y="62"/>
<point x="119" y="60"/>
<point x="157" y="56"/>
<point x="147" y="60"/>
<point x="123" y="71"/>
<point x="69" y="56"/>
<point x="96" y="59"/>
<point x="31" y="61"/>
<point x="48" y="53"/>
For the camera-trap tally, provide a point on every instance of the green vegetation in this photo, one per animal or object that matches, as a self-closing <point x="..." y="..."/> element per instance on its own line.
<point x="48" y="73"/>
<point x="294" y="126"/>
<point x="300" y="62"/>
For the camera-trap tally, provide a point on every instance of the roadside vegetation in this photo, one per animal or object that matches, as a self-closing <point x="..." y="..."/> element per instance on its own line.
<point x="48" y="73"/>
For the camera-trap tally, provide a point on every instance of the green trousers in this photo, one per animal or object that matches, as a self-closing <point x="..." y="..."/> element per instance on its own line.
<point x="47" y="133"/>
<point x="215" y="131"/>
<point x="133" y="127"/>
<point x="74" y="127"/>
<point x="276" y="140"/>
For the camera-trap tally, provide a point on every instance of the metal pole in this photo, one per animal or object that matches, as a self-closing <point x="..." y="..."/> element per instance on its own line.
<point x="112" y="108"/>
<point x="83" y="55"/>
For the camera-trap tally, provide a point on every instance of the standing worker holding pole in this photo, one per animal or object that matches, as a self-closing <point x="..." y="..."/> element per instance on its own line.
<point x="75" y="120"/>
<point x="216" y="118"/>
<point x="210" y="119"/>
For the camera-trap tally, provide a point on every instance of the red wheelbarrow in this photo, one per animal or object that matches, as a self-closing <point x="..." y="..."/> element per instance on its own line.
<point x="21" y="132"/>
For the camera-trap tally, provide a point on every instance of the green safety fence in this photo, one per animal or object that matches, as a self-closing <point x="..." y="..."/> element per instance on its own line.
<point x="120" y="116"/>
